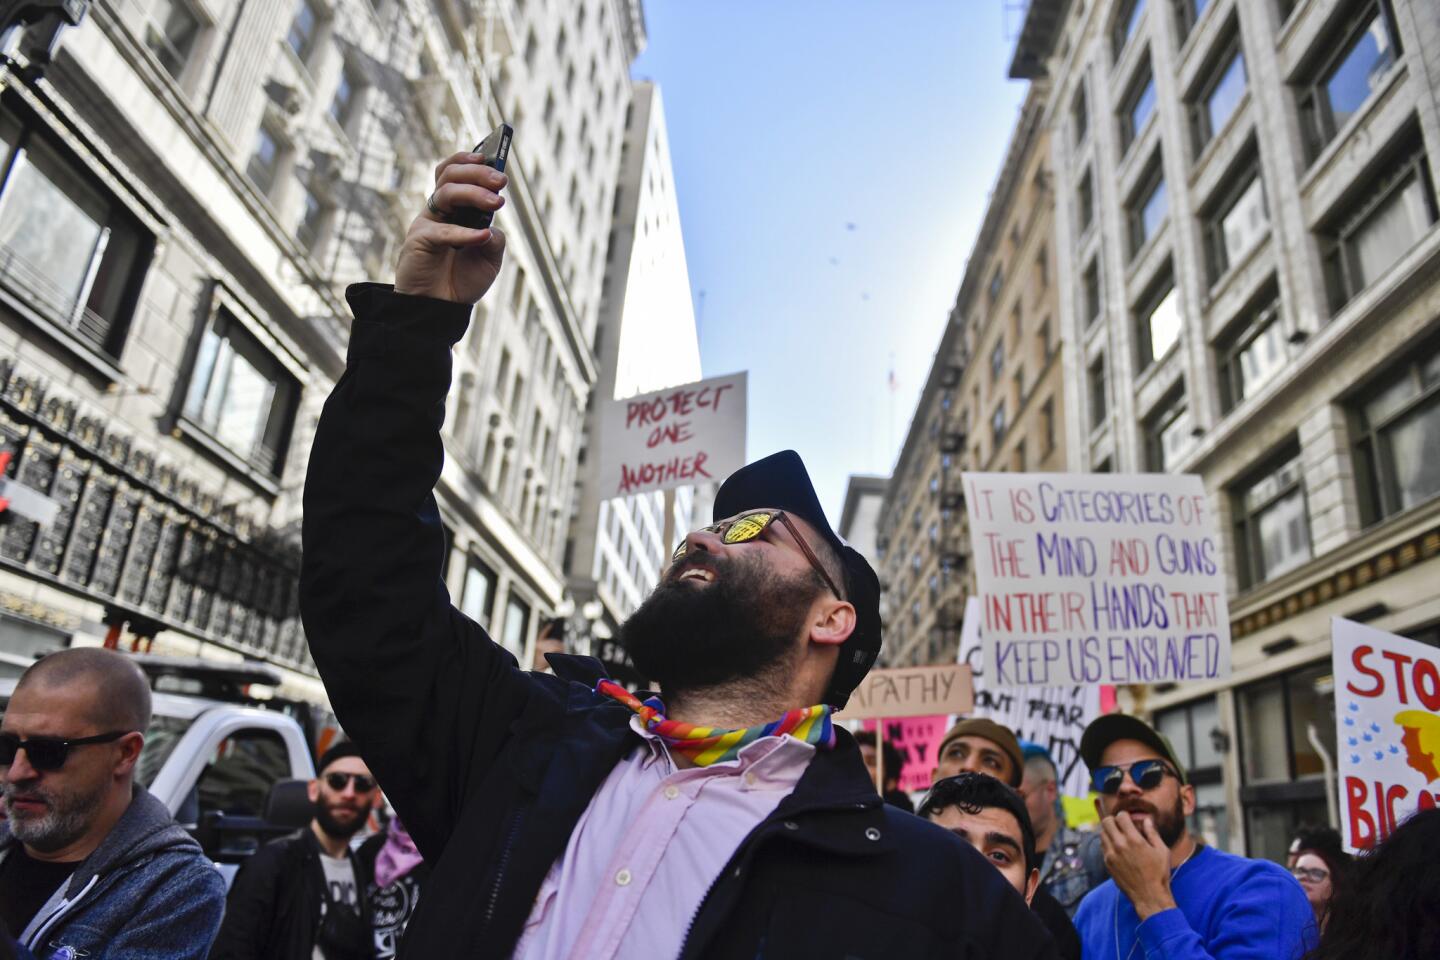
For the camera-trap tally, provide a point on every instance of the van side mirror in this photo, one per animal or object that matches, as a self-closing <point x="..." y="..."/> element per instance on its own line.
<point x="231" y="837"/>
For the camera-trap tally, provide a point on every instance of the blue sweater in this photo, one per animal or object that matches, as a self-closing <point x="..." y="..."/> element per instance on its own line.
<point x="1229" y="908"/>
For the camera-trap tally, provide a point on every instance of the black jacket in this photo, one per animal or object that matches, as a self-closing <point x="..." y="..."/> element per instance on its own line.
<point x="490" y="767"/>
<point x="273" y="909"/>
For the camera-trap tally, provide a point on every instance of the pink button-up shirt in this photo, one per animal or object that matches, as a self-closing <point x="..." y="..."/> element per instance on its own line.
<point x="647" y="848"/>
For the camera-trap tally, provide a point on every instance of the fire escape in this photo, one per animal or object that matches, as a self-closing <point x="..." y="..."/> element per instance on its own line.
<point x="954" y="528"/>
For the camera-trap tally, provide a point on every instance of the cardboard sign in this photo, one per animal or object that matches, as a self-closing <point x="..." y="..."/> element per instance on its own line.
<point x="675" y="437"/>
<point x="911" y="692"/>
<point x="918" y="740"/>
<point x="1053" y="717"/>
<point x="1096" y="578"/>
<point x="1387" y="720"/>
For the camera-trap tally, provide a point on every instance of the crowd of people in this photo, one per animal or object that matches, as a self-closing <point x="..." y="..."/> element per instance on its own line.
<point x="557" y="814"/>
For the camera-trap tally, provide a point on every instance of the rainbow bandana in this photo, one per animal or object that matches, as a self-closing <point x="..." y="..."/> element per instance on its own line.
<point x="706" y="745"/>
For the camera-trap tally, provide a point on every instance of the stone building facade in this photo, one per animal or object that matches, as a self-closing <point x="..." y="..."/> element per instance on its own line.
<point x="184" y="196"/>
<point x="1249" y="287"/>
<point x="647" y="340"/>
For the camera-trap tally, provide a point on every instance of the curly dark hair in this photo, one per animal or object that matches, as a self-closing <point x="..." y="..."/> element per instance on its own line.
<point x="1391" y="910"/>
<point x="973" y="792"/>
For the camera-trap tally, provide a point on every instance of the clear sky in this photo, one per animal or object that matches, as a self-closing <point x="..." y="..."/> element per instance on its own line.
<point x="790" y="121"/>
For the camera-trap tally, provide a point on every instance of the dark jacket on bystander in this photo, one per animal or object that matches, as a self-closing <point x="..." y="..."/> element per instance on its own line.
<point x="146" y="893"/>
<point x="490" y="767"/>
<point x="276" y="902"/>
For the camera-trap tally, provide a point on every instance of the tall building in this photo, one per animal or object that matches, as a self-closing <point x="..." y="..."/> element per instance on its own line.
<point x="860" y="514"/>
<point x="646" y="341"/>
<point x="993" y="400"/>
<point x="1249" y="287"/>
<point x="184" y="196"/>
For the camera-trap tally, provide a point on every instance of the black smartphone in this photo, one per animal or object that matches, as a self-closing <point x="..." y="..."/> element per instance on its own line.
<point x="495" y="149"/>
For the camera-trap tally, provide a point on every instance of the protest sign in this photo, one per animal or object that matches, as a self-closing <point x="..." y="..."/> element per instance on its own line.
<point x="1097" y="578"/>
<point x="911" y="692"/>
<point x="918" y="740"/>
<point x="1053" y="717"/>
<point x="1387" y="721"/>
<point x="675" y="437"/>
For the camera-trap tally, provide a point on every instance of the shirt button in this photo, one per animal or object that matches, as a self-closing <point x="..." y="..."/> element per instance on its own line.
<point x="622" y="879"/>
<point x="871" y="833"/>
<point x="751" y="779"/>
<point x="671" y="792"/>
<point x="791" y="825"/>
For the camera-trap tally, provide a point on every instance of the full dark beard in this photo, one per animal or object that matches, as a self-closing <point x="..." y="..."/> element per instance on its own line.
<point x="333" y="827"/>
<point x="743" y="625"/>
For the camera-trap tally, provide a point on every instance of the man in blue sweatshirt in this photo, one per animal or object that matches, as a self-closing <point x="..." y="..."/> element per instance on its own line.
<point x="1169" y="895"/>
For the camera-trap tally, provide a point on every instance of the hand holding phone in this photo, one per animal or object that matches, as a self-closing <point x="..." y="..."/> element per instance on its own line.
<point x="496" y="150"/>
<point x="450" y="252"/>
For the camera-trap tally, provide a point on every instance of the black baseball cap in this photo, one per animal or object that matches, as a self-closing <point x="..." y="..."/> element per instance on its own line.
<point x="780" y="480"/>
<point x="1106" y="729"/>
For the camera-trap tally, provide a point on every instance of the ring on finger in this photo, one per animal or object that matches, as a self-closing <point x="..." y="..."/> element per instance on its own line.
<point x="433" y="207"/>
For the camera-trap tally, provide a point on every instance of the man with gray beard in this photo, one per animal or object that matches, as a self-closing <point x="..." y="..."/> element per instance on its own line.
<point x="91" y="865"/>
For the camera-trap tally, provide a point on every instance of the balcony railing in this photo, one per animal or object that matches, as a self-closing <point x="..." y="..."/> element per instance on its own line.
<point x="134" y="534"/>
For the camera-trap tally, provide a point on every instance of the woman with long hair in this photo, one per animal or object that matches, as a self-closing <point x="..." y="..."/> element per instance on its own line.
<point x="1391" y="910"/>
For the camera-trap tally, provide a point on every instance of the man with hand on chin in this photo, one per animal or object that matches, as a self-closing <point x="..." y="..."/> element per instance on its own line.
<point x="560" y="815"/>
<point x="1170" y="896"/>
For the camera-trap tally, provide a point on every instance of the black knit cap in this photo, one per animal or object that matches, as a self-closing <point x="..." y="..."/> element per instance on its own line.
<point x="338" y="751"/>
<point x="780" y="480"/>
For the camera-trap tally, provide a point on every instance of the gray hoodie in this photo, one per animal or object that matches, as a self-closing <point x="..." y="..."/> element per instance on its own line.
<point x="146" y="893"/>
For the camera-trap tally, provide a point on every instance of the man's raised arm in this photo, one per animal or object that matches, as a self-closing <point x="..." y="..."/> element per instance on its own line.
<point x="411" y="679"/>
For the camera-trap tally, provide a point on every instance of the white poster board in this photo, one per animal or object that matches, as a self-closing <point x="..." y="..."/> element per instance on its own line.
<point x="690" y="434"/>
<point x="1387" y="720"/>
<point x="1095" y="578"/>
<point x="1053" y="717"/>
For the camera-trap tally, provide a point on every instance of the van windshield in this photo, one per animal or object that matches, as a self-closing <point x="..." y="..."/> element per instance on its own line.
<point x="160" y="742"/>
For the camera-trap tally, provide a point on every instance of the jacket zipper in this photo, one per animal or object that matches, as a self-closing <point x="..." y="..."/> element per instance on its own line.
<point x="515" y="820"/>
<point x="742" y="856"/>
<point x="65" y="907"/>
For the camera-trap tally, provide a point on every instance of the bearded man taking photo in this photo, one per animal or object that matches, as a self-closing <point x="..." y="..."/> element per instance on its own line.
<point x="563" y="817"/>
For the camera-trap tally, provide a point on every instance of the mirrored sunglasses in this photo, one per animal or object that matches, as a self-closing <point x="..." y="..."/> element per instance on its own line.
<point x="1145" y="774"/>
<point x="741" y="529"/>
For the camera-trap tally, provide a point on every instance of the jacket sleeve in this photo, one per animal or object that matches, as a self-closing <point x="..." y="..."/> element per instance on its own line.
<point x="1266" y="917"/>
<point x="176" y="920"/>
<point x="420" y="687"/>
<point x="249" y="909"/>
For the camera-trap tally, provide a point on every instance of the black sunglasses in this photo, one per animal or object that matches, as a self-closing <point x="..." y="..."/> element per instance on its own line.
<point x="49" y="753"/>
<point x="337" y="781"/>
<point x="1145" y="774"/>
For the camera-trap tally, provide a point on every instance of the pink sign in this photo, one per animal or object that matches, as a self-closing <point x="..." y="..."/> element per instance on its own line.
<point x="918" y="740"/>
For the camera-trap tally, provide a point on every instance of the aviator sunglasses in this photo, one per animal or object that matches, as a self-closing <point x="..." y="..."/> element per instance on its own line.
<point x="48" y="753"/>
<point x="748" y="526"/>
<point x="337" y="781"/>
<point x="1145" y="774"/>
